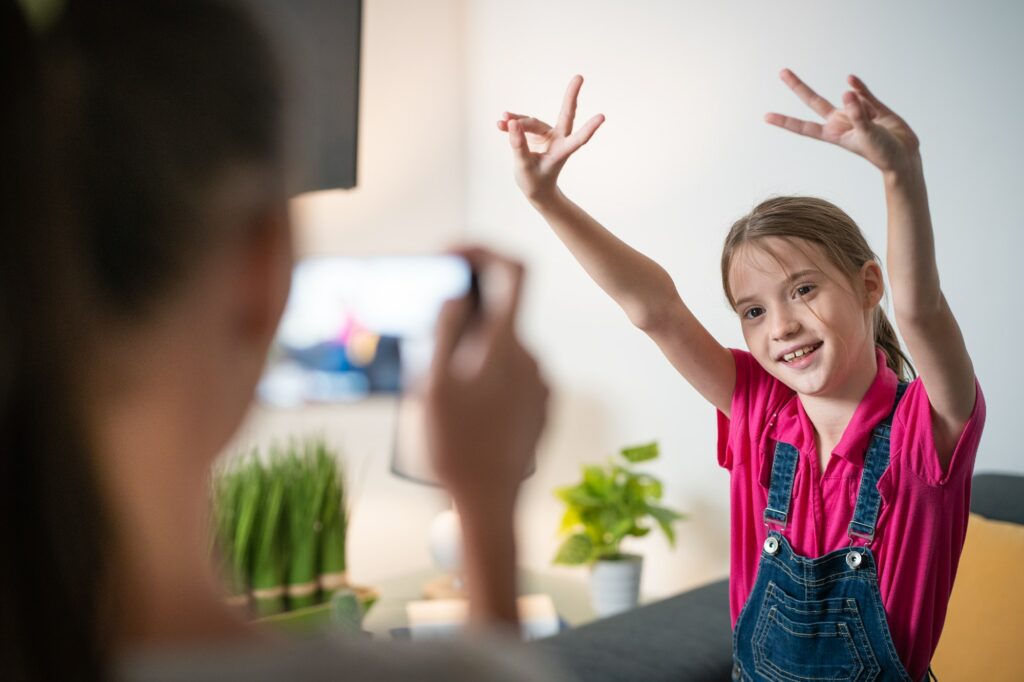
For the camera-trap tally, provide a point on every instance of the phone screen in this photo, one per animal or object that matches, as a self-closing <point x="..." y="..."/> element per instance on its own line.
<point x="354" y="327"/>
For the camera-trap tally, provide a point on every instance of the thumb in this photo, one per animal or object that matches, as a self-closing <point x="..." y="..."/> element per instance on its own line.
<point x="517" y="140"/>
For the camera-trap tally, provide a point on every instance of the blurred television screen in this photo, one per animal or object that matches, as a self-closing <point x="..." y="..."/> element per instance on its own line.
<point x="354" y="327"/>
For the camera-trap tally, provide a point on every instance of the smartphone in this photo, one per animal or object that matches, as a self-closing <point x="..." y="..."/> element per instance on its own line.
<point x="358" y="326"/>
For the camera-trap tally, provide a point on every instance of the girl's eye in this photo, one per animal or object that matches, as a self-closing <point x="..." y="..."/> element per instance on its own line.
<point x="751" y="313"/>
<point x="805" y="289"/>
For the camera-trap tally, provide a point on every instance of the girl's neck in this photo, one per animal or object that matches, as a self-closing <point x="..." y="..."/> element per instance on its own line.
<point x="831" y="414"/>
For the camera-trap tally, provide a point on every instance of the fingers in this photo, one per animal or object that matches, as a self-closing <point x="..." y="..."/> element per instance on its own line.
<point x="500" y="281"/>
<point x="450" y="325"/>
<point x="528" y="123"/>
<point x="506" y="116"/>
<point x="568" y="112"/>
<point x="533" y="125"/>
<point x="855" y="110"/>
<point x="796" y="125"/>
<point x="861" y="89"/>
<point x="563" y="126"/>
<point x="819" y="104"/>
<point x="466" y="336"/>
<point x="583" y="135"/>
<point x="517" y="140"/>
<point x="869" y="108"/>
<point x="500" y="288"/>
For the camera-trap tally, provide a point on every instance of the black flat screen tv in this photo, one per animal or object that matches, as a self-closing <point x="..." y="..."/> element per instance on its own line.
<point x="318" y="46"/>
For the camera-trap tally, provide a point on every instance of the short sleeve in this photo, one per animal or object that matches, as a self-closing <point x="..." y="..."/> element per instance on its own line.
<point x="914" y="437"/>
<point x="738" y="433"/>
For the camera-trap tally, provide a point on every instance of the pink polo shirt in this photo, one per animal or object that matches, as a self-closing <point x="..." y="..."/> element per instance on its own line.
<point x="923" y="516"/>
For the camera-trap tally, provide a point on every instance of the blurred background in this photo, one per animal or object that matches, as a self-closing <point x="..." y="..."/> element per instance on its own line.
<point x="683" y="153"/>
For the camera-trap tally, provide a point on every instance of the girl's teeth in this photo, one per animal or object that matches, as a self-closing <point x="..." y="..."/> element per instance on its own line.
<point x="799" y="353"/>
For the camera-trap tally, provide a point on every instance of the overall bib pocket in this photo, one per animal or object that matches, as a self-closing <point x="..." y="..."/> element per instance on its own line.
<point x="824" y="639"/>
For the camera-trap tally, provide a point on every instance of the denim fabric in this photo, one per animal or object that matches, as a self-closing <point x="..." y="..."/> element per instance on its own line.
<point x="819" y="619"/>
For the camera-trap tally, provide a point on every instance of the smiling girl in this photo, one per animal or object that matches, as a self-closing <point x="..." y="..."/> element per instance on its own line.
<point x="850" y="478"/>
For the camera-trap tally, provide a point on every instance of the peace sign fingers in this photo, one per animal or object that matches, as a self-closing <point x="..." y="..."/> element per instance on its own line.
<point x="821" y="106"/>
<point x="796" y="125"/>
<point x="862" y="124"/>
<point x="568" y="113"/>
<point x="583" y="135"/>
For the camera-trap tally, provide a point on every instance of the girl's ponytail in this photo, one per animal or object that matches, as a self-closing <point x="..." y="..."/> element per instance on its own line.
<point x="885" y="338"/>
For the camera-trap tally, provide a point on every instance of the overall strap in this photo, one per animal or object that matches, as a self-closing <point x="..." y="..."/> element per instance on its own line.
<point x="876" y="461"/>
<point x="780" y="489"/>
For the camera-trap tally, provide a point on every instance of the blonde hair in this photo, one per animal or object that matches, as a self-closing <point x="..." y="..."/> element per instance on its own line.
<point x="819" y="222"/>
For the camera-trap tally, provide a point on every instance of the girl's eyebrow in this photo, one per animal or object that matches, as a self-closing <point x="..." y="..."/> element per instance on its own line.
<point x="789" y="280"/>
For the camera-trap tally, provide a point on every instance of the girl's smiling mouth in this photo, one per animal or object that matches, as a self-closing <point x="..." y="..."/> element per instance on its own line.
<point x="800" y="356"/>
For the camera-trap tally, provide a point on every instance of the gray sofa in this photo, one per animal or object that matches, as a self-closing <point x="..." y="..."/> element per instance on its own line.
<point x="689" y="636"/>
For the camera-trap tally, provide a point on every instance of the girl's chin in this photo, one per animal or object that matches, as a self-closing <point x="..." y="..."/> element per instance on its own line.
<point x="811" y="383"/>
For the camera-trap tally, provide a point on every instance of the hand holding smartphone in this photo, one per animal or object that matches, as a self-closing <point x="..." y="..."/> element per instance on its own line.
<point x="485" y="401"/>
<point x="485" y="405"/>
<point x="473" y="402"/>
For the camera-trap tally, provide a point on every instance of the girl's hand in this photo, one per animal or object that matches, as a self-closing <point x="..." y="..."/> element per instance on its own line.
<point x="540" y="151"/>
<point x="863" y="125"/>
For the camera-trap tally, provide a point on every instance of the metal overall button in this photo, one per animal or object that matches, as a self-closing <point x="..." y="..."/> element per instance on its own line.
<point x="853" y="559"/>
<point x="771" y="545"/>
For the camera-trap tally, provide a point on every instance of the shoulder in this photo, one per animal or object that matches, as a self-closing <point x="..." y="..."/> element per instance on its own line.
<point x="756" y="396"/>
<point x="913" y="437"/>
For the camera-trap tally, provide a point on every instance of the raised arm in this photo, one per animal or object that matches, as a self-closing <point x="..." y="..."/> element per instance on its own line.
<point x="641" y="287"/>
<point x="866" y="126"/>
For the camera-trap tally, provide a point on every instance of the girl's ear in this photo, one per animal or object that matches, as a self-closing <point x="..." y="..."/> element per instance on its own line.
<point x="872" y="282"/>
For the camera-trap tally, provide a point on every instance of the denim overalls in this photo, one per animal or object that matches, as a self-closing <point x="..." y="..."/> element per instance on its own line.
<point x="819" y="619"/>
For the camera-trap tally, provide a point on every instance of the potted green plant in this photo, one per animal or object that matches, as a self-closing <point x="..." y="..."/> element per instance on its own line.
<point x="612" y="502"/>
<point x="280" y="531"/>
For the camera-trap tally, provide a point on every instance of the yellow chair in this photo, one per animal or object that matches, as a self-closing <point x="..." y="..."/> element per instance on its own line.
<point x="983" y="635"/>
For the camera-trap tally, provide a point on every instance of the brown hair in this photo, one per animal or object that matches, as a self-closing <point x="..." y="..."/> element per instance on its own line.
<point x="819" y="222"/>
<point x="120" y="119"/>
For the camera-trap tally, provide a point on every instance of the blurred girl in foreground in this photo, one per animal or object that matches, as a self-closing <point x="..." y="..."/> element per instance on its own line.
<point x="146" y="260"/>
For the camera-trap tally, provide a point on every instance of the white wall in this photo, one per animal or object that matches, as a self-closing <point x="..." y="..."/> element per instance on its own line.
<point x="683" y="153"/>
<point x="410" y="192"/>
<point x="411" y="198"/>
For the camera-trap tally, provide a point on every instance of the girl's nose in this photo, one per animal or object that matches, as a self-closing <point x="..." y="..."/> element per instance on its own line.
<point x="784" y="326"/>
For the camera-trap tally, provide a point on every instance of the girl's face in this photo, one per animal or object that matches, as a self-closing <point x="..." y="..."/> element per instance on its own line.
<point x="803" y="319"/>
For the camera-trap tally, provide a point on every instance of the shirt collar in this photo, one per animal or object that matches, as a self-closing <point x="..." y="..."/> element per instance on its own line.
<point x="792" y="425"/>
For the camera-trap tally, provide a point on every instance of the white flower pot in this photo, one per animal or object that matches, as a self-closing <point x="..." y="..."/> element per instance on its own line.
<point x="615" y="584"/>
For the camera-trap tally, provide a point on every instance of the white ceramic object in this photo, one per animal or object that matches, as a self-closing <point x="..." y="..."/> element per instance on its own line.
<point x="615" y="585"/>
<point x="445" y="540"/>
